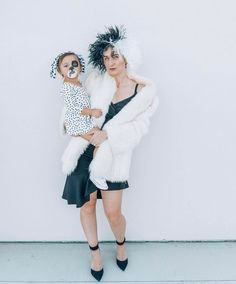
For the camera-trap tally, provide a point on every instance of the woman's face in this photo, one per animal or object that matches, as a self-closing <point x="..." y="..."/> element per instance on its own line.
<point x="114" y="62"/>
<point x="66" y="67"/>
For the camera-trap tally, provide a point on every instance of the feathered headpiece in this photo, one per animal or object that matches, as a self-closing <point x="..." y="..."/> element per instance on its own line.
<point x="115" y="38"/>
<point x="54" y="65"/>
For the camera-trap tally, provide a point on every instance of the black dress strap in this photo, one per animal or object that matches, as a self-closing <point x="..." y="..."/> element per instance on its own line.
<point x="136" y="88"/>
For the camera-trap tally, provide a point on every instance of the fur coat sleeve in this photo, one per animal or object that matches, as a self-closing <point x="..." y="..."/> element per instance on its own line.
<point x="126" y="136"/>
<point x="127" y="128"/>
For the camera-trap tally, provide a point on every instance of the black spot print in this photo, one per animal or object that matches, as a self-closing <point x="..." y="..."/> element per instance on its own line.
<point x="76" y="99"/>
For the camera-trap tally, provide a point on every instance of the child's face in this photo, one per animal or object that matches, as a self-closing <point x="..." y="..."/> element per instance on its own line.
<point x="70" y="67"/>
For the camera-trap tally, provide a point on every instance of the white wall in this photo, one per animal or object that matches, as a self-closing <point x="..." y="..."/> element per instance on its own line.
<point x="182" y="184"/>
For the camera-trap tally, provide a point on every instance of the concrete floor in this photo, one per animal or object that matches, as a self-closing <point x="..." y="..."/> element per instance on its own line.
<point x="149" y="262"/>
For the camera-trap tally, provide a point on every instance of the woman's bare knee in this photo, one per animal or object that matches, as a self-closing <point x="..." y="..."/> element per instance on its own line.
<point x="90" y="206"/>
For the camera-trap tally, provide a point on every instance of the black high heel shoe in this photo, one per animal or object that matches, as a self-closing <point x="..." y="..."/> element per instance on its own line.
<point x="97" y="274"/>
<point x="121" y="263"/>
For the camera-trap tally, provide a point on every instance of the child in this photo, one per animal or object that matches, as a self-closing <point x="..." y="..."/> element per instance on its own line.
<point x="79" y="116"/>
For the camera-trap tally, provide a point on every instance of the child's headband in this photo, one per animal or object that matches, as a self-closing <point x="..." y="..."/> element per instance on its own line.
<point x="54" y="65"/>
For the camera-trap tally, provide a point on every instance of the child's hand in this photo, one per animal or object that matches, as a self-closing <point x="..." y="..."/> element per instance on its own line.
<point x="96" y="112"/>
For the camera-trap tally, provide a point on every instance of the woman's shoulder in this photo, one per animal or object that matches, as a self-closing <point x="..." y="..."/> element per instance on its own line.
<point x="136" y="85"/>
<point x="141" y="81"/>
<point x="146" y="87"/>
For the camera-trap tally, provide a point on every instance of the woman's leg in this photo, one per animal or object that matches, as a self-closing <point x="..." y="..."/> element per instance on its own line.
<point x="112" y="207"/>
<point x="89" y="224"/>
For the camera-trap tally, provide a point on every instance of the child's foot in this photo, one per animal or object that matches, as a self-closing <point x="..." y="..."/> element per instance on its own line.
<point x="99" y="182"/>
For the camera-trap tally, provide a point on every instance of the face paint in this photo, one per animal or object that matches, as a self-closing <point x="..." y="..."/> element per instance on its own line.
<point x="72" y="72"/>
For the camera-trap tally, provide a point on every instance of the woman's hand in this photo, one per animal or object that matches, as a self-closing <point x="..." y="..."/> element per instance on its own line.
<point x="98" y="137"/>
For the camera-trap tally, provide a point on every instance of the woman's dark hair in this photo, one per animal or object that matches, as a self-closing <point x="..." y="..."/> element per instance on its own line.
<point x="104" y="40"/>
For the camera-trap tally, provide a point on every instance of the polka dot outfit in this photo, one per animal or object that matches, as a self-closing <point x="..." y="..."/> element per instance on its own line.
<point x="76" y="99"/>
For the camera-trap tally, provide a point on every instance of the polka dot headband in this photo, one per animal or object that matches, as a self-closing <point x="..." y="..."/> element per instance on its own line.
<point x="54" y="65"/>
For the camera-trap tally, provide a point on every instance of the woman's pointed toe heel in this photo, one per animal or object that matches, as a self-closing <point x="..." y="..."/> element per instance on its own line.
<point x="121" y="263"/>
<point x="97" y="274"/>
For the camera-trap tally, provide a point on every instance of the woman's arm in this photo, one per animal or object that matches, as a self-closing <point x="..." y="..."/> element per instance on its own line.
<point x="122" y="137"/>
<point x="126" y="136"/>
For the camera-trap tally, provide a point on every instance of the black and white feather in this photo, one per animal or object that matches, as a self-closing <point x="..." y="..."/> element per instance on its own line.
<point x="114" y="37"/>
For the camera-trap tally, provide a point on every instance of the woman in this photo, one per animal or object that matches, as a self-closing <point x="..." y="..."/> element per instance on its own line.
<point x="127" y="102"/>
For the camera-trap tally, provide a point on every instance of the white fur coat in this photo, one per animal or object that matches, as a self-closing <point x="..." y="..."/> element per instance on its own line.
<point x="124" y="130"/>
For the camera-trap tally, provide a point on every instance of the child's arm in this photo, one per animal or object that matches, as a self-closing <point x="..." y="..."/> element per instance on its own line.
<point x="96" y="112"/>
